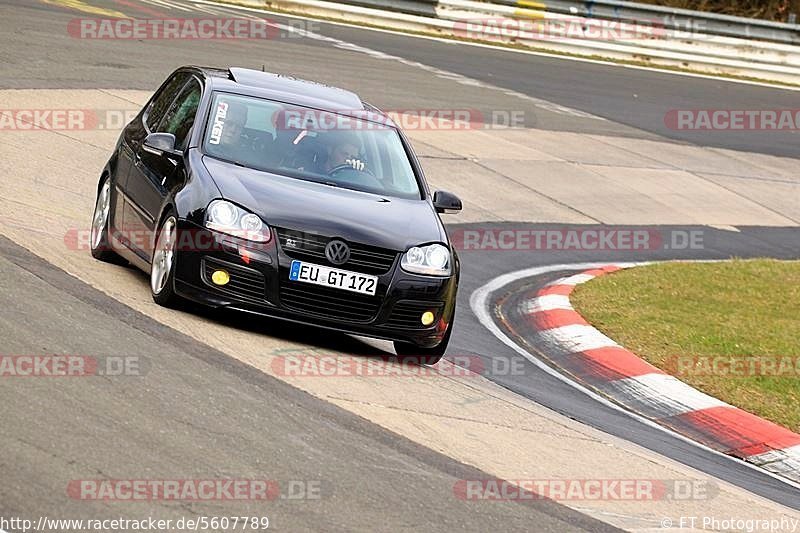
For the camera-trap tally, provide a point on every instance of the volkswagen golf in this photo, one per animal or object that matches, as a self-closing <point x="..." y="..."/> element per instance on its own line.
<point x="282" y="197"/>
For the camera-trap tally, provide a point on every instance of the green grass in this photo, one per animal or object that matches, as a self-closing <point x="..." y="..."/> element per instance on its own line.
<point x="743" y="309"/>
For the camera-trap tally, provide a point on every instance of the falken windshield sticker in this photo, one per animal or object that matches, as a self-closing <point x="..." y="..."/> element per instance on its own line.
<point x="219" y="123"/>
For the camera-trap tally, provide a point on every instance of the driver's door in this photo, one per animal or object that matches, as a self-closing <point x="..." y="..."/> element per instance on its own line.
<point x="154" y="173"/>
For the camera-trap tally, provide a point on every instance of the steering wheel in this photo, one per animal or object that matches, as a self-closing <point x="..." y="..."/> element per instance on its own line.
<point x="365" y="178"/>
<point x="335" y="170"/>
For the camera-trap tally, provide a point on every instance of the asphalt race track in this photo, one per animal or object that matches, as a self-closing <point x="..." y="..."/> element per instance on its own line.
<point x="202" y="410"/>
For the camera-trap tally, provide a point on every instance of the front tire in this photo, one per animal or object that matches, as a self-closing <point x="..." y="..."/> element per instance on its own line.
<point x="424" y="356"/>
<point x="162" y="267"/>
<point x="100" y="244"/>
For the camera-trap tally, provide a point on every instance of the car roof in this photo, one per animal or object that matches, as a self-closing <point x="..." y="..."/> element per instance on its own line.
<point x="292" y="90"/>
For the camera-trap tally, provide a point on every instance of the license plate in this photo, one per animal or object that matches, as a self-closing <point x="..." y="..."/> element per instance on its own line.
<point x="333" y="277"/>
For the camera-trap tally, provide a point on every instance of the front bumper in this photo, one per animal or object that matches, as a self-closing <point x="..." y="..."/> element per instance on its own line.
<point x="260" y="284"/>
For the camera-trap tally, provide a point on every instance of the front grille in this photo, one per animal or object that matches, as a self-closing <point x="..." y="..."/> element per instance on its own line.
<point x="244" y="282"/>
<point x="310" y="247"/>
<point x="334" y="304"/>
<point x="406" y="314"/>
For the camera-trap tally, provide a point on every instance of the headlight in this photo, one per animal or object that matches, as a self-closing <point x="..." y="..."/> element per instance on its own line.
<point x="231" y="219"/>
<point x="433" y="259"/>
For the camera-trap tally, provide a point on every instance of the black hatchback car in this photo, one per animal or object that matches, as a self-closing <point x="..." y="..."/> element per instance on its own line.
<point x="287" y="198"/>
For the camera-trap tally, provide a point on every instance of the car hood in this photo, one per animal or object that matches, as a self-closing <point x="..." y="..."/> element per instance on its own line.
<point x="286" y="202"/>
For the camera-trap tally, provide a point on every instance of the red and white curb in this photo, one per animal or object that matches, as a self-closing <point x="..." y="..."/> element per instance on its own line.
<point x="645" y="389"/>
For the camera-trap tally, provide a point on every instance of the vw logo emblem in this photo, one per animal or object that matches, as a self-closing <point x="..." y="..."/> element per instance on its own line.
<point x="337" y="252"/>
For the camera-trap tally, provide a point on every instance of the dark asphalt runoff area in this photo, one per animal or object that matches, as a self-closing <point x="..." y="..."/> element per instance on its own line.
<point x="202" y="414"/>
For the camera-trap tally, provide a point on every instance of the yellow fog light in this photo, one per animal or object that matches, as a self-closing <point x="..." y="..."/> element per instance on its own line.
<point x="220" y="277"/>
<point x="427" y="318"/>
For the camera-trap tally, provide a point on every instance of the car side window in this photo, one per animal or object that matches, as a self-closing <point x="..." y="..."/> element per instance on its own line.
<point x="179" y="119"/>
<point x="164" y="98"/>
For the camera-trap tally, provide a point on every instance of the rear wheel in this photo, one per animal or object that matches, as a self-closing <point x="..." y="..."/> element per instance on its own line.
<point x="162" y="269"/>
<point x="100" y="243"/>
<point x="424" y="356"/>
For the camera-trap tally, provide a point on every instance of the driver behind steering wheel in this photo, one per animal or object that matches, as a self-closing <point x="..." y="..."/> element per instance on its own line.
<point x="343" y="150"/>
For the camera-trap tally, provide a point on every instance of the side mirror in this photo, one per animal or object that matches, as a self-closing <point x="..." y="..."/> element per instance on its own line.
<point x="161" y="144"/>
<point x="446" y="202"/>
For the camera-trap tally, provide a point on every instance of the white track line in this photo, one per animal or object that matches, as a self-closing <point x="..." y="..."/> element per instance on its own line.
<point x="221" y="11"/>
<point x="480" y="302"/>
<point x="208" y="10"/>
<point x="168" y="5"/>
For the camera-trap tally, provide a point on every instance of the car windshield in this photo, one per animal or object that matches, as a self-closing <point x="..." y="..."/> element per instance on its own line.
<point x="321" y="146"/>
